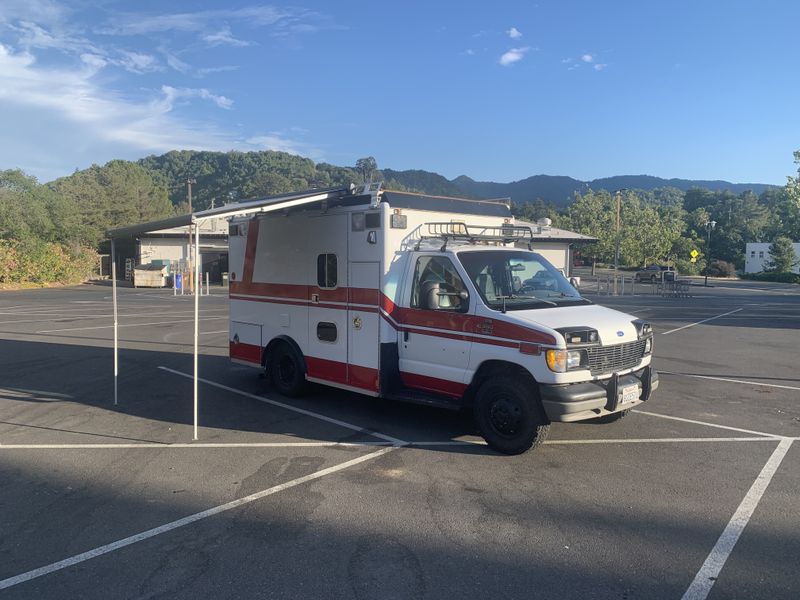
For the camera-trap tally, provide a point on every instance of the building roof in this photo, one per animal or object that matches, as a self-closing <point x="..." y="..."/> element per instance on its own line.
<point x="547" y="233"/>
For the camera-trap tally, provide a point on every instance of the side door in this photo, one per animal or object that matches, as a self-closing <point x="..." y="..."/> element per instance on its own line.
<point x="326" y="354"/>
<point x="434" y="342"/>
<point x="363" y="344"/>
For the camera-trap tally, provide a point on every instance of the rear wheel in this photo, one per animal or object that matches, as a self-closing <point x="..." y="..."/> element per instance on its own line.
<point x="508" y="415"/>
<point x="287" y="371"/>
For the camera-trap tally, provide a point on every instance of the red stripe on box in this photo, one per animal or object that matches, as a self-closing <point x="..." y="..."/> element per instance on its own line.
<point x="246" y="352"/>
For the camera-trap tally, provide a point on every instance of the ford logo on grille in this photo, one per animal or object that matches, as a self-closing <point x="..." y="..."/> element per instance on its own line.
<point x="620" y="333"/>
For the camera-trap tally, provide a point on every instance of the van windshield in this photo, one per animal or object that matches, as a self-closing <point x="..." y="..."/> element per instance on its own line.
<point x="518" y="280"/>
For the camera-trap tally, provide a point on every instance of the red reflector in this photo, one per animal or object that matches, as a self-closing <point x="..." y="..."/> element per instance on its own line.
<point x="527" y="348"/>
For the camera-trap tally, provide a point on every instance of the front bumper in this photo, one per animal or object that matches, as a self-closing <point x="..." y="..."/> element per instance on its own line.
<point x="592" y="399"/>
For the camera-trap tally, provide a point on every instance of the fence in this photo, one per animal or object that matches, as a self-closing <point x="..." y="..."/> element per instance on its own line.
<point x="621" y="285"/>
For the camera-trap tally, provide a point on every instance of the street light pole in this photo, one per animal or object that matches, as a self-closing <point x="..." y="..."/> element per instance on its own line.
<point x="709" y="225"/>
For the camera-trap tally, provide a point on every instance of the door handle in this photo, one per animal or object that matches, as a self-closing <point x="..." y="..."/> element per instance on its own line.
<point x="405" y="336"/>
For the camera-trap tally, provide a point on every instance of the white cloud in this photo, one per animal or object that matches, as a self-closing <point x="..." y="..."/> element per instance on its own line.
<point x="275" y="141"/>
<point x="514" y="33"/>
<point x="512" y="56"/>
<point x="283" y="20"/>
<point x="224" y="36"/>
<point x="171" y="94"/>
<point x="469" y="52"/>
<point x="88" y="123"/>
<point x="587" y="58"/>
<point x="136" y="62"/>
<point x="600" y="66"/>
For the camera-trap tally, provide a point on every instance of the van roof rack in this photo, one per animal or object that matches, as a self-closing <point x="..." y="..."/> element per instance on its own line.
<point x="473" y="234"/>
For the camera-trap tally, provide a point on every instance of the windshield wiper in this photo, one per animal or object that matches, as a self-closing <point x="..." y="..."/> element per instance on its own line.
<point x="526" y="299"/>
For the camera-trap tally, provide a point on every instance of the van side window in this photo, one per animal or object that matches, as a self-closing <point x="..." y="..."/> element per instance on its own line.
<point x="326" y="332"/>
<point x="437" y="285"/>
<point x="327" y="266"/>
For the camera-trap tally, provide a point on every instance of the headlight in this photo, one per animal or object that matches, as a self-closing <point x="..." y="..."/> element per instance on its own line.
<point x="573" y="359"/>
<point x="648" y="345"/>
<point x="561" y="361"/>
<point x="643" y="328"/>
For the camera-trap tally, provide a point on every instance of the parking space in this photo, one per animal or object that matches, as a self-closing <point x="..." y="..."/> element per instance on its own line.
<point x="341" y="495"/>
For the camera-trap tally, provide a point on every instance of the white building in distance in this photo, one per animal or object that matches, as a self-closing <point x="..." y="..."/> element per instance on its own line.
<point x="757" y="256"/>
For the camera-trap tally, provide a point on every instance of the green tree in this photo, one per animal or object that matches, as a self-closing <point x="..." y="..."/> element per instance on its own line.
<point x="366" y="168"/>
<point x="782" y="258"/>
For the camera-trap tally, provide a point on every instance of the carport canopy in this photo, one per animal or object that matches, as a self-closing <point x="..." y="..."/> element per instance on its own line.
<point x="252" y="207"/>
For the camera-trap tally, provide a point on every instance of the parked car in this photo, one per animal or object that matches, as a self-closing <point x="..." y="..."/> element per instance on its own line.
<point x="655" y="273"/>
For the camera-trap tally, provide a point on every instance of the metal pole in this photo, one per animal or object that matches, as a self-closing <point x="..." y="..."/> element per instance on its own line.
<point x="708" y="253"/>
<point x="196" y="322"/>
<point x="114" y="298"/>
<point x="208" y="285"/>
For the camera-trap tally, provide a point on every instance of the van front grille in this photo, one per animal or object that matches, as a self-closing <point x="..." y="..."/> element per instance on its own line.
<point x="610" y="359"/>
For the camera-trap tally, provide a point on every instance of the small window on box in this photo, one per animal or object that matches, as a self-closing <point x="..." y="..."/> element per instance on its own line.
<point x="752" y="254"/>
<point x="327" y="266"/>
<point x="326" y="332"/>
<point x="760" y="254"/>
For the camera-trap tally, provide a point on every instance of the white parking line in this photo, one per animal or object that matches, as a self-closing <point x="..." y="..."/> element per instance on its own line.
<point x="772" y="385"/>
<point x="703" y="321"/>
<point x="150" y="533"/>
<point x="708" y="573"/>
<point x="166" y="446"/>
<point x="201" y="445"/>
<point x="606" y="441"/>
<point x="126" y="325"/>
<point x="707" y="424"/>
<point x="301" y="411"/>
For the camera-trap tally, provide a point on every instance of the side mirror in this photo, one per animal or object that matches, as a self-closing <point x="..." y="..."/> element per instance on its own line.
<point x="575" y="282"/>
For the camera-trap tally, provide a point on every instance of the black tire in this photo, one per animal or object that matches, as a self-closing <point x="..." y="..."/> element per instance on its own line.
<point x="509" y="416"/>
<point x="613" y="417"/>
<point x="287" y="371"/>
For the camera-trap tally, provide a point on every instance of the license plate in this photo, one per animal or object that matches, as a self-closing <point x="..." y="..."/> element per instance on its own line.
<point x="630" y="393"/>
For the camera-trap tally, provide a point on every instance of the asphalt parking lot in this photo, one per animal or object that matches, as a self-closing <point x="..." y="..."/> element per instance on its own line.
<point x="335" y="495"/>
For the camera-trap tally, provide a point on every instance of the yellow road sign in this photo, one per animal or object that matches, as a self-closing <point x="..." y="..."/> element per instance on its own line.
<point x="694" y="253"/>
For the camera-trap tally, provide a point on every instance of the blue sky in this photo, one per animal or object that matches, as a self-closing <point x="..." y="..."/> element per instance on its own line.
<point x="494" y="90"/>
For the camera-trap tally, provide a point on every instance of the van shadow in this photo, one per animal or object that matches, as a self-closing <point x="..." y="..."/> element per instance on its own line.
<point x="162" y="402"/>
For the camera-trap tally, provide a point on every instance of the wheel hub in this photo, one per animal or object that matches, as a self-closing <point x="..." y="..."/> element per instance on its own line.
<point x="505" y="417"/>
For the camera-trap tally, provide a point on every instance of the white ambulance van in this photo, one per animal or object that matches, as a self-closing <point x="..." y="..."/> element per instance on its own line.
<point x="426" y="299"/>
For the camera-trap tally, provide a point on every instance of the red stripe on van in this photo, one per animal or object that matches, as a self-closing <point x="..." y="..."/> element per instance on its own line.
<point x="432" y="384"/>
<point x="246" y="352"/>
<point x="250" y="251"/>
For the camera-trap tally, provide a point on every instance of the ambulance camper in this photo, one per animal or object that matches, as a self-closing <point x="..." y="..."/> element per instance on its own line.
<point x="430" y="300"/>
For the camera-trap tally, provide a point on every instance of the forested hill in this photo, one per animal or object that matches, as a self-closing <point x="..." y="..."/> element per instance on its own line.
<point x="561" y="190"/>
<point x="225" y="176"/>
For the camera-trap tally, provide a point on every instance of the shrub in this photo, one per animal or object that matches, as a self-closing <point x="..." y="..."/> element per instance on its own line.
<point x="721" y="268"/>
<point x="36" y="261"/>
<point x="773" y="276"/>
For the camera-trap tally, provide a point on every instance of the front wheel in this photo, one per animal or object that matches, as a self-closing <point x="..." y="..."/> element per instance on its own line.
<point x="508" y="415"/>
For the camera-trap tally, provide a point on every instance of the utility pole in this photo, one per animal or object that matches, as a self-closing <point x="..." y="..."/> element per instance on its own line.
<point x="618" y="195"/>
<point x="189" y="182"/>
<point x="709" y="225"/>
<point x="616" y="244"/>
